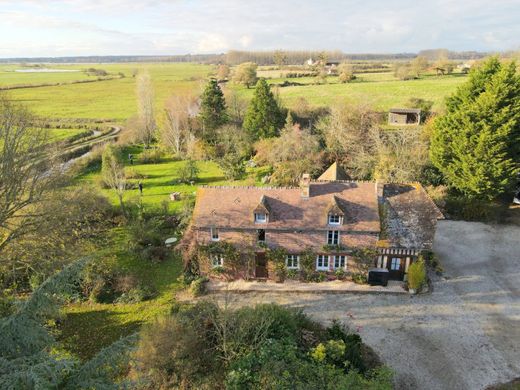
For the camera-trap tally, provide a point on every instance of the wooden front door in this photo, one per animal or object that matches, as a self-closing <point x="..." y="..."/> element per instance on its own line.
<point x="261" y="266"/>
<point x="395" y="267"/>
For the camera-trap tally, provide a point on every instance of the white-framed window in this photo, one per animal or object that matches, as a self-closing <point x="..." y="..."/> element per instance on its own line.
<point x="334" y="219"/>
<point x="217" y="261"/>
<point x="260" y="218"/>
<point x="322" y="263"/>
<point x="292" y="261"/>
<point x="395" y="265"/>
<point x="333" y="237"/>
<point x="340" y="262"/>
<point x="214" y="234"/>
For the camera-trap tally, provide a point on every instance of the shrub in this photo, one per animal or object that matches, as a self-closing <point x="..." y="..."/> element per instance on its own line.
<point x="189" y="171"/>
<point x="6" y="305"/>
<point x="340" y="274"/>
<point x="359" y="278"/>
<point x="138" y="294"/>
<point x="198" y="287"/>
<point x="280" y="271"/>
<point x="151" y="156"/>
<point x="416" y="274"/>
<point x="293" y="274"/>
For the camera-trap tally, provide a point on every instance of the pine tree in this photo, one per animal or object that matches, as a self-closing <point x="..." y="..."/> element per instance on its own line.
<point x="212" y="109"/>
<point x="264" y="117"/>
<point x="476" y="144"/>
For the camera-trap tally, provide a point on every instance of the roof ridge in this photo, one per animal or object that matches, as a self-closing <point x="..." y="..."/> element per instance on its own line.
<point x="250" y="187"/>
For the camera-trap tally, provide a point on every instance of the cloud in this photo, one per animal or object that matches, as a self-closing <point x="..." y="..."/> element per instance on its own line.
<point x="212" y="43"/>
<point x="245" y="41"/>
<point x="187" y="26"/>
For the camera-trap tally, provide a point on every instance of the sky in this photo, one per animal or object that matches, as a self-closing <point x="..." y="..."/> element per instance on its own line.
<point x="51" y="28"/>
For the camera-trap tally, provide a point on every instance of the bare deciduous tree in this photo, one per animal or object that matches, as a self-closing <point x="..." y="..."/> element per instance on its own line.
<point x="179" y="113"/>
<point x="28" y="171"/>
<point x="237" y="106"/>
<point x="113" y="172"/>
<point x="145" y="108"/>
<point x="401" y="155"/>
<point x="350" y="133"/>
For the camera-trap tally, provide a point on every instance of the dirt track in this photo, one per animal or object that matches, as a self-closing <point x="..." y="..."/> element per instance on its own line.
<point x="465" y="335"/>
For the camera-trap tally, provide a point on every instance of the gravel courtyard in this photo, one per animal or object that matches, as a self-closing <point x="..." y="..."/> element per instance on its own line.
<point x="464" y="335"/>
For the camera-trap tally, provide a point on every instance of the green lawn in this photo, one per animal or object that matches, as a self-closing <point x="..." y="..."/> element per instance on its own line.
<point x="62" y="134"/>
<point x="161" y="179"/>
<point x="89" y="327"/>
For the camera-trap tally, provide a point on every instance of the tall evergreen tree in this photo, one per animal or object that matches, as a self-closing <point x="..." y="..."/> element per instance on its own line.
<point x="476" y="144"/>
<point x="264" y="117"/>
<point x="212" y="109"/>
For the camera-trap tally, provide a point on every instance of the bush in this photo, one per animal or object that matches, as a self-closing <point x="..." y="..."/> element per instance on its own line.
<point x="151" y="156"/>
<point x="198" y="287"/>
<point x="280" y="271"/>
<point x="359" y="278"/>
<point x="293" y="274"/>
<point x="189" y="172"/>
<point x="138" y="294"/>
<point x="340" y="274"/>
<point x="6" y="305"/>
<point x="266" y="346"/>
<point x="416" y="275"/>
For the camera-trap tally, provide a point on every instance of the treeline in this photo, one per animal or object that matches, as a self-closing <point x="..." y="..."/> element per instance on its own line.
<point x="434" y="54"/>
<point x="234" y="57"/>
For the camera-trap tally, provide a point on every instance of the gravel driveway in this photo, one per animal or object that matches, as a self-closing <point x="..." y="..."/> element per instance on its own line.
<point x="465" y="335"/>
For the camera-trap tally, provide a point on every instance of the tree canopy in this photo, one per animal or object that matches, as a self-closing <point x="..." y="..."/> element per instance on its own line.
<point x="476" y="144"/>
<point x="212" y="108"/>
<point x="264" y="117"/>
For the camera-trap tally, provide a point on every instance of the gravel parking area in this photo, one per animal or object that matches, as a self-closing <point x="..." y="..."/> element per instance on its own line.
<point x="464" y="335"/>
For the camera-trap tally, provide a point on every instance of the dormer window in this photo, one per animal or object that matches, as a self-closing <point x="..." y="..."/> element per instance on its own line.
<point x="260" y="218"/>
<point x="334" y="219"/>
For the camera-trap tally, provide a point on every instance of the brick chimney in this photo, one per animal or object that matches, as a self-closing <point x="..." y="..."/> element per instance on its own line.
<point x="305" y="185"/>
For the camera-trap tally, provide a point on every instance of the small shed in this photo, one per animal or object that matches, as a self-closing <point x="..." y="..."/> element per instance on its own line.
<point x="404" y="116"/>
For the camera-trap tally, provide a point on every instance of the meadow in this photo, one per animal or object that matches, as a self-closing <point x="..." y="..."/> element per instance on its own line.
<point x="115" y="99"/>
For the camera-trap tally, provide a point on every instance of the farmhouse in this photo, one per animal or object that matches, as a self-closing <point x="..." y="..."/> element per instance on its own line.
<point x="335" y="222"/>
<point x="404" y="116"/>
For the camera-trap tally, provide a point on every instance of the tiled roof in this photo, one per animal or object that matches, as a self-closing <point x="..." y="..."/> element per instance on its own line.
<point x="333" y="173"/>
<point x="233" y="207"/>
<point x="411" y="216"/>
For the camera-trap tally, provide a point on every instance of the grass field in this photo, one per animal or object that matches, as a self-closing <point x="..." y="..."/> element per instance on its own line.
<point x="111" y="99"/>
<point x="62" y="134"/>
<point x="380" y="90"/>
<point x="161" y="179"/>
<point x="89" y="327"/>
<point x="9" y="76"/>
<point x="115" y="99"/>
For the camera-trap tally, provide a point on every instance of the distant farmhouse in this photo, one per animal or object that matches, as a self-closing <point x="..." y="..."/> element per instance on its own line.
<point x="404" y="116"/>
<point x="332" y="218"/>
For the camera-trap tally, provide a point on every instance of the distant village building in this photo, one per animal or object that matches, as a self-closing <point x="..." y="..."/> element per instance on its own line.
<point x="404" y="116"/>
<point x="331" y="218"/>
